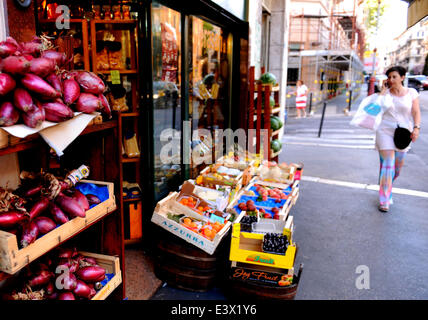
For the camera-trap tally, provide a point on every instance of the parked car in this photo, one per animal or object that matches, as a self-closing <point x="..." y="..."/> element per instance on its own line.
<point x="422" y="78"/>
<point x="414" y="83"/>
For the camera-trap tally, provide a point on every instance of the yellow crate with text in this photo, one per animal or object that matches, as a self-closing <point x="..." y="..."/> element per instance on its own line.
<point x="246" y="247"/>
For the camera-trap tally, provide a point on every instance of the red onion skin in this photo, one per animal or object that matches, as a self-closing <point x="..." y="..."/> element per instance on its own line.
<point x="39" y="207"/>
<point x="81" y="199"/>
<point x="33" y="191"/>
<point x="57" y="214"/>
<point x="50" y="288"/>
<point x="82" y="290"/>
<point x="42" y="66"/>
<point x="29" y="234"/>
<point x="23" y="100"/>
<point x="90" y="274"/>
<point x="87" y="103"/>
<point x="9" y="115"/>
<point x="7" y="84"/>
<point x="90" y="82"/>
<point x="93" y="199"/>
<point x="70" y="206"/>
<point x="45" y="225"/>
<point x="36" y="84"/>
<point x="66" y="296"/>
<point x="67" y="253"/>
<point x="57" y="111"/>
<point x="58" y="57"/>
<point x="33" y="119"/>
<point x="7" y="49"/>
<point x="11" y="219"/>
<point x="105" y="105"/>
<point x="71" y="91"/>
<point x="55" y="81"/>
<point x="31" y="48"/>
<point x="41" y="279"/>
<point x="15" y="65"/>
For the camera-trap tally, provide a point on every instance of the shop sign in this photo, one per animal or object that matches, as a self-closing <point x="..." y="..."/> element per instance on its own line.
<point x="266" y="278"/>
<point x="183" y="232"/>
<point x="115" y="76"/>
<point x="261" y="259"/>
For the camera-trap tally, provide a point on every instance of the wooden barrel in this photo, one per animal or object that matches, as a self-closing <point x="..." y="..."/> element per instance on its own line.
<point x="187" y="267"/>
<point x="237" y="288"/>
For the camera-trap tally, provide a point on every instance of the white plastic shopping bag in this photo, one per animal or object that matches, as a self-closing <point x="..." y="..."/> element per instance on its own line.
<point x="370" y="111"/>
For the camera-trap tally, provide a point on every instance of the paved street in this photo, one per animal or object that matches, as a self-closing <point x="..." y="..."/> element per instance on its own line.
<point x="337" y="225"/>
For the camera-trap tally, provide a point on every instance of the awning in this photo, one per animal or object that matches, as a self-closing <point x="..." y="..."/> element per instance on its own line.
<point x="418" y="9"/>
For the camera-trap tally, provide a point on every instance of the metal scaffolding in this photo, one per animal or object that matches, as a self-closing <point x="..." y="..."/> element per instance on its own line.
<point x="325" y="50"/>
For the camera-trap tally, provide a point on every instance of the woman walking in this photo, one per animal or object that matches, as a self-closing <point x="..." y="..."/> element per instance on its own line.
<point x="301" y="97"/>
<point x="405" y="112"/>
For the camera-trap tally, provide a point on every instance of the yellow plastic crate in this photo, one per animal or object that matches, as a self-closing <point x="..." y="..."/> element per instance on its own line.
<point x="246" y="247"/>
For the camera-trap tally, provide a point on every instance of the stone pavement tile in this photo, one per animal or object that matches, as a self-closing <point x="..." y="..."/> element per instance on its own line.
<point x="141" y="282"/>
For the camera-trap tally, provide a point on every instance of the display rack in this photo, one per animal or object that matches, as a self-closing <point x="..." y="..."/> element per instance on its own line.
<point x="131" y="207"/>
<point x="259" y="115"/>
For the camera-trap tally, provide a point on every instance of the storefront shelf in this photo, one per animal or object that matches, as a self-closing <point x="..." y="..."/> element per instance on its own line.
<point x="128" y="160"/>
<point x="122" y="71"/>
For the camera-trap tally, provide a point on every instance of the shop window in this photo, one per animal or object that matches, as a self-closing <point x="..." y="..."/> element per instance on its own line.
<point x="266" y="19"/>
<point x="292" y="76"/>
<point x="209" y="106"/>
<point x="166" y="52"/>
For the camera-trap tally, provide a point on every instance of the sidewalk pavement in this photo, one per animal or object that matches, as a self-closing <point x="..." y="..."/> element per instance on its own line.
<point x="334" y="106"/>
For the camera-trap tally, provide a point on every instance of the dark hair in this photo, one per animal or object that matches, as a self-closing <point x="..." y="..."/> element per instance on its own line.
<point x="401" y="70"/>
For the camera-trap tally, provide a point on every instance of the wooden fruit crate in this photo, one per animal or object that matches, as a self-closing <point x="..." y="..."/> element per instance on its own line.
<point x="112" y="265"/>
<point x="160" y="217"/>
<point x="12" y="259"/>
<point x="246" y="247"/>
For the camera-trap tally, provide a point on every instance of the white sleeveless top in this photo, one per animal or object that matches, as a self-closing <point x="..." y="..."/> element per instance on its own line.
<point x="400" y="113"/>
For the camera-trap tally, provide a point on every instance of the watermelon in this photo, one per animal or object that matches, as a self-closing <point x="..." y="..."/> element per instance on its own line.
<point x="275" y="123"/>
<point x="276" y="145"/>
<point x="271" y="101"/>
<point x="268" y="78"/>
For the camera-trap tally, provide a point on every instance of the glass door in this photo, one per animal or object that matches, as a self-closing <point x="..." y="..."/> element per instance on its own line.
<point x="166" y="53"/>
<point x="209" y="87"/>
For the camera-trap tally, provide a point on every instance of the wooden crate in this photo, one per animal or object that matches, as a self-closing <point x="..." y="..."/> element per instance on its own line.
<point x="160" y="217"/>
<point x="4" y="139"/>
<point x="112" y="265"/>
<point x="246" y="247"/>
<point x="12" y="259"/>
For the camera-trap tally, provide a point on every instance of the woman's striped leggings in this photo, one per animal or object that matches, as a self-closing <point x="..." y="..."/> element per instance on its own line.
<point x="391" y="163"/>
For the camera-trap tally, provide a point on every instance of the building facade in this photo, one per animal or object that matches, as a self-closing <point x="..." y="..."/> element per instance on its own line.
<point x="326" y="45"/>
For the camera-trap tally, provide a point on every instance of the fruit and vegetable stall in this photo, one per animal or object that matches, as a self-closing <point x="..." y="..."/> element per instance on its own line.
<point x="61" y="235"/>
<point x="241" y="216"/>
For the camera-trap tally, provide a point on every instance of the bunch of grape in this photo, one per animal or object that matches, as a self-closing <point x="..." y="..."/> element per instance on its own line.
<point x="275" y="243"/>
<point x="246" y="222"/>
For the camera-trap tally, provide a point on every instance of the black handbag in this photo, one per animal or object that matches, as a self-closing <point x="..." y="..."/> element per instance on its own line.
<point x="402" y="137"/>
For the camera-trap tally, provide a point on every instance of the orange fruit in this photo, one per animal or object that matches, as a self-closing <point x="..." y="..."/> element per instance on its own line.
<point x="187" y="221"/>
